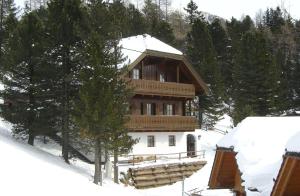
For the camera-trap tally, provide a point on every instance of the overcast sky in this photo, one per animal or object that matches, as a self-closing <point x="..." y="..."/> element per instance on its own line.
<point x="229" y="8"/>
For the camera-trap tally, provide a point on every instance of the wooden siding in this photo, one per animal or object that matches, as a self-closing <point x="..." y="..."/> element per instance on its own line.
<point x="135" y="105"/>
<point x="288" y="179"/>
<point x="162" y="123"/>
<point x="225" y="173"/>
<point x="172" y="89"/>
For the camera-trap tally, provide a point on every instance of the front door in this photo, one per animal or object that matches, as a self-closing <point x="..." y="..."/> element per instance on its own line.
<point x="191" y="145"/>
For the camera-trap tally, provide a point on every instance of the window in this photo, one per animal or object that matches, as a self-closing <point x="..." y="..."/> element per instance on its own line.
<point x="172" y="140"/>
<point x="162" y="77"/>
<point x="169" y="109"/>
<point x="151" y="141"/>
<point x="135" y="74"/>
<point x="150" y="108"/>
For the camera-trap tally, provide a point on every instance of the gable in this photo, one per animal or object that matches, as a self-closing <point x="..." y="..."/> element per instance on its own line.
<point x="190" y="71"/>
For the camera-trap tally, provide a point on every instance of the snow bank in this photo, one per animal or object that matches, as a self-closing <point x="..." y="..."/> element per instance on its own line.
<point x="133" y="47"/>
<point x="26" y="170"/>
<point x="260" y="143"/>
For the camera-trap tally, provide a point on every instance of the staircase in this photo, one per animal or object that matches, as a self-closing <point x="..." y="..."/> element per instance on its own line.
<point x="72" y="150"/>
<point x="160" y="175"/>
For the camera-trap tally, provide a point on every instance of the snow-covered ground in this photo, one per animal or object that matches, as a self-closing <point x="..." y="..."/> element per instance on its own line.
<point x="26" y="170"/>
<point x="39" y="170"/>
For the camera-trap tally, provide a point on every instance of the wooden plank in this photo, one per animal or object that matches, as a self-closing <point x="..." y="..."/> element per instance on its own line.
<point x="177" y="73"/>
<point x="284" y="176"/>
<point x="216" y="168"/>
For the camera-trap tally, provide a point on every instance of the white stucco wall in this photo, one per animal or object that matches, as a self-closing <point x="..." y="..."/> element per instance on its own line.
<point x="162" y="142"/>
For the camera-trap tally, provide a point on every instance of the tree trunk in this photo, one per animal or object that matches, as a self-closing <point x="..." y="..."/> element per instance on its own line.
<point x="65" y="105"/>
<point x="200" y="111"/>
<point x="100" y="162"/>
<point x="31" y="139"/>
<point x="116" y="168"/>
<point x="97" y="162"/>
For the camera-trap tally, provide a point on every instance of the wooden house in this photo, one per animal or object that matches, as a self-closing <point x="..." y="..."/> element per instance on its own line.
<point x="249" y="158"/>
<point x="288" y="178"/>
<point x="164" y="84"/>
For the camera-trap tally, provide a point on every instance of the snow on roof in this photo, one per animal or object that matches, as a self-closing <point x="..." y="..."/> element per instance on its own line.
<point x="133" y="47"/>
<point x="260" y="143"/>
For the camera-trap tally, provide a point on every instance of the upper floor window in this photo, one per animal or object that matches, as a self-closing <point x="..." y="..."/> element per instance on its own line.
<point x="135" y="74"/>
<point x="169" y="109"/>
<point x="162" y="77"/>
<point x="150" y="108"/>
<point x="172" y="140"/>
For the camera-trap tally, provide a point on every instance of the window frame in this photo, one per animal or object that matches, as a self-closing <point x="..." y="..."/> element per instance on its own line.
<point x="172" y="140"/>
<point x="135" y="74"/>
<point x="150" y="141"/>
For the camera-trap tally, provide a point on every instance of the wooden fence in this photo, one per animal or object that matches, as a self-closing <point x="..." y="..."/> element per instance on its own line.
<point x="139" y="158"/>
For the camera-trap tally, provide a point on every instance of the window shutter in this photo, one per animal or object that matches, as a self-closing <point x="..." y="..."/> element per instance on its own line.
<point x="164" y="109"/>
<point x="153" y="108"/>
<point x="173" y="109"/>
<point x="142" y="108"/>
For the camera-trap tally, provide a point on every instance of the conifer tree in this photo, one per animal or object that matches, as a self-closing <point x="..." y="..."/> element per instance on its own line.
<point x="193" y="12"/>
<point x="202" y="55"/>
<point x="156" y="26"/>
<point x="223" y="48"/>
<point x="256" y="80"/>
<point x="64" y="29"/>
<point x="25" y="82"/>
<point x="8" y="21"/>
<point x="102" y="89"/>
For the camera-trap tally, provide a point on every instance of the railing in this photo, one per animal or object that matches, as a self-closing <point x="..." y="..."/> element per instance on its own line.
<point x="140" y="158"/>
<point x="162" y="123"/>
<point x="151" y="87"/>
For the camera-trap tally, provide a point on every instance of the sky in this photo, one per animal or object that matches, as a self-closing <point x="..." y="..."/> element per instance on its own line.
<point x="228" y="8"/>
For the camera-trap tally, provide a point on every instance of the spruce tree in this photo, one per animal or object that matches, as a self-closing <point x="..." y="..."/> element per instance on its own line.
<point x="64" y="29"/>
<point x="102" y="89"/>
<point x="202" y="55"/>
<point x="25" y="82"/>
<point x="8" y="22"/>
<point x="193" y="12"/>
<point x="156" y="26"/>
<point x="256" y="79"/>
<point x="223" y="48"/>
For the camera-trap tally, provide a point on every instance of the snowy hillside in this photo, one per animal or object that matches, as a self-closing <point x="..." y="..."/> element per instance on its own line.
<point x="25" y="170"/>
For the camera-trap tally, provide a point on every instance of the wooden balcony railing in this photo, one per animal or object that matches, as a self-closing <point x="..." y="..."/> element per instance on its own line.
<point x="151" y="87"/>
<point x="162" y="123"/>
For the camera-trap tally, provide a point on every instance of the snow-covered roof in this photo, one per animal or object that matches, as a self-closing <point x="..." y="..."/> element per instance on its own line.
<point x="260" y="143"/>
<point x="133" y="47"/>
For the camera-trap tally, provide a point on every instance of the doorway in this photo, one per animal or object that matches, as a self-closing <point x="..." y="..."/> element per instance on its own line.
<point x="191" y="145"/>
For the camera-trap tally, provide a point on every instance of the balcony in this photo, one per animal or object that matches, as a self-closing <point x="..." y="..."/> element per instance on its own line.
<point x="172" y="89"/>
<point x="162" y="123"/>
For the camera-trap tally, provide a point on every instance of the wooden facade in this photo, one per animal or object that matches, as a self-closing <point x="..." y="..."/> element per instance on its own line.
<point x="288" y="179"/>
<point x="225" y="173"/>
<point x="163" y="87"/>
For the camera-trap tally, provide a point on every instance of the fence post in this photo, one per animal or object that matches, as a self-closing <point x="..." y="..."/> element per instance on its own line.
<point x="133" y="160"/>
<point x="155" y="158"/>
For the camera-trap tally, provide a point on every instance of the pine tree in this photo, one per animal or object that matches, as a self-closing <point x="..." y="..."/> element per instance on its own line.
<point x="193" y="12"/>
<point x="156" y="26"/>
<point x="256" y="79"/>
<point x="102" y="89"/>
<point x="8" y="21"/>
<point x="223" y="48"/>
<point x="202" y="55"/>
<point x="25" y="82"/>
<point x="64" y="29"/>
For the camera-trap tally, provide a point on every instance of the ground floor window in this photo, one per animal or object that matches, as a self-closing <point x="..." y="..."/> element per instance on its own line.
<point x="172" y="140"/>
<point x="150" y="141"/>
